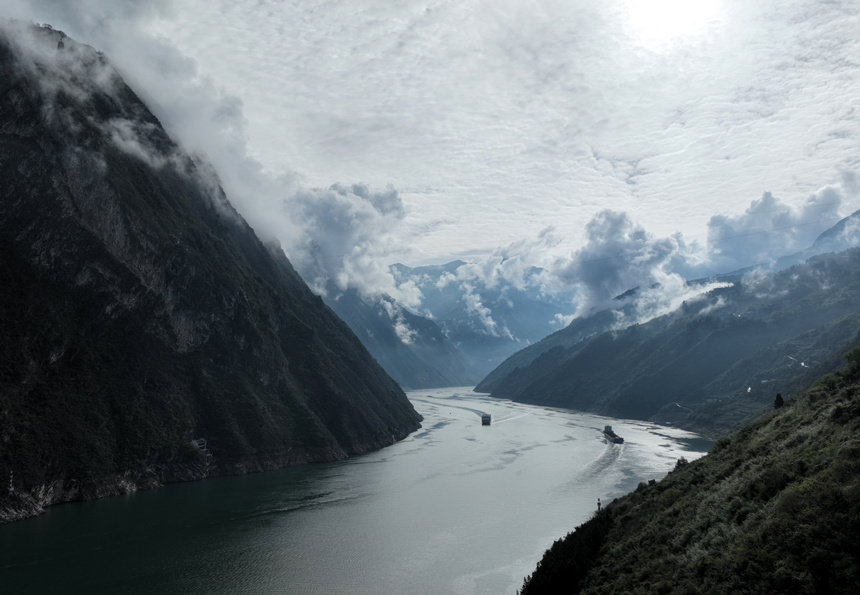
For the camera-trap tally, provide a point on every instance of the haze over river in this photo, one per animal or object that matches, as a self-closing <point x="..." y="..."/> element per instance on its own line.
<point x="456" y="508"/>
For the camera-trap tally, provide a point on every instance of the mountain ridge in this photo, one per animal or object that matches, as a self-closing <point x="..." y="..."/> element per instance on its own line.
<point x="677" y="359"/>
<point x="148" y="335"/>
<point x="413" y="349"/>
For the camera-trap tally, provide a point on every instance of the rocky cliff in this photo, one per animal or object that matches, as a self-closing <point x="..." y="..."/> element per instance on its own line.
<point x="146" y="334"/>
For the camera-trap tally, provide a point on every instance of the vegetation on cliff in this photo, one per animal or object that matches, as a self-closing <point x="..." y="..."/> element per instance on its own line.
<point x="774" y="508"/>
<point x="146" y="334"/>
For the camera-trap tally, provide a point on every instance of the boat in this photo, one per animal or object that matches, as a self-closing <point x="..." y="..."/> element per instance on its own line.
<point x="485" y="419"/>
<point x="612" y="436"/>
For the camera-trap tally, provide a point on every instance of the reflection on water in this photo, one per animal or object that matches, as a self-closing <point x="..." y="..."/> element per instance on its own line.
<point x="457" y="507"/>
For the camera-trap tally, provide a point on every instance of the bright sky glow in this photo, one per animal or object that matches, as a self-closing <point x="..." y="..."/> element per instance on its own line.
<point x="655" y="24"/>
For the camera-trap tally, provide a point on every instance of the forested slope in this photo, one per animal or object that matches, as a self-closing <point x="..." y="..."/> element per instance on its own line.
<point x="773" y="508"/>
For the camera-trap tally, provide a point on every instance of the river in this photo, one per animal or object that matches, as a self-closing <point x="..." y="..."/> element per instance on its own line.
<point x="455" y="508"/>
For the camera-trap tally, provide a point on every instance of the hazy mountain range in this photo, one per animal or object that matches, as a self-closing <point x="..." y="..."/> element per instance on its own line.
<point x="464" y="328"/>
<point x="715" y="361"/>
<point x="505" y="337"/>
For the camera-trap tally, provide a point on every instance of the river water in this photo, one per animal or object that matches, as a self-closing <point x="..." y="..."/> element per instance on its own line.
<point x="455" y="508"/>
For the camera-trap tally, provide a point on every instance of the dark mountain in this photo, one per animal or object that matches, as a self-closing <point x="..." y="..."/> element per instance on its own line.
<point x="413" y="350"/>
<point x="774" y="508"/>
<point x="728" y="352"/>
<point x="146" y="334"/>
<point x="484" y="315"/>
<point x="567" y="340"/>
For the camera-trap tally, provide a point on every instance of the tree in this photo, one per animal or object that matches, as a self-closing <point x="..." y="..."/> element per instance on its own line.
<point x="853" y="358"/>
<point x="778" y="402"/>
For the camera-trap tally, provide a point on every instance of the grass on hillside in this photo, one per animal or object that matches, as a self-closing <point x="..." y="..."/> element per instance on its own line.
<point x="774" y="508"/>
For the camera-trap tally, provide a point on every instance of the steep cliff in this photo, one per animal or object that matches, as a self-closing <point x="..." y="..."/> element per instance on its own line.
<point x="146" y="334"/>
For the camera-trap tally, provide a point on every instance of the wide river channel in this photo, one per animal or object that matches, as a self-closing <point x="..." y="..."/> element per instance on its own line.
<point x="455" y="508"/>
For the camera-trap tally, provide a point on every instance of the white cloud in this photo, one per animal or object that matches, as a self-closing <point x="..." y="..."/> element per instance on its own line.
<point x="513" y="265"/>
<point x="665" y="296"/>
<point x="404" y="332"/>
<point x="344" y="231"/>
<point x="483" y="315"/>
<point x="713" y="306"/>
<point x="770" y="228"/>
<point x="619" y="255"/>
<point x="476" y="125"/>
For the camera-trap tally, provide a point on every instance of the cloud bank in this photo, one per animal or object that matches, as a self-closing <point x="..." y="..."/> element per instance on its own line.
<point x="770" y="228"/>
<point x="479" y="127"/>
<point x="345" y="232"/>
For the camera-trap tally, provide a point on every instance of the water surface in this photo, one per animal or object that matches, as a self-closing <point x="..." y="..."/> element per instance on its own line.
<point x="456" y="508"/>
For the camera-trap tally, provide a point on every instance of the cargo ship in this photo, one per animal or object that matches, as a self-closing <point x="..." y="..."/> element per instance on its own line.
<point x="612" y="436"/>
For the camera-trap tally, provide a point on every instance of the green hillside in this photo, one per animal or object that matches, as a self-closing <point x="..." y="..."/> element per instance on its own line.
<point x="773" y="508"/>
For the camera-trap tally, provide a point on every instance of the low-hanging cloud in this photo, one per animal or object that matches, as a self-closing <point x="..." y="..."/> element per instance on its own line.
<point x="344" y="233"/>
<point x="622" y="264"/>
<point x="769" y="228"/>
<point x="64" y="68"/>
<point x="519" y="268"/>
<point x="618" y="255"/>
<point x="519" y="265"/>
<point x="339" y="234"/>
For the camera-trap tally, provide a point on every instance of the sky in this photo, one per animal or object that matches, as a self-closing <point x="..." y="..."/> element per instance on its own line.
<point x="613" y="143"/>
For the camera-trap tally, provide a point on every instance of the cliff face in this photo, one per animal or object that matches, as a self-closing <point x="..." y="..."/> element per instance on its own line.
<point x="146" y="334"/>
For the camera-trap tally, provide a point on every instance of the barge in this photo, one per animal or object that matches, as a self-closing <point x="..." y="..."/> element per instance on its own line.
<point x="612" y="436"/>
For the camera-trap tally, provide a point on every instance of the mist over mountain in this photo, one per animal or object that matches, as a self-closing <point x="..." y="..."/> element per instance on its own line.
<point x="845" y="234"/>
<point x="487" y="317"/>
<point x="492" y="309"/>
<point x="414" y="350"/>
<point x="710" y="364"/>
<point x="463" y="324"/>
<point x="148" y="335"/>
